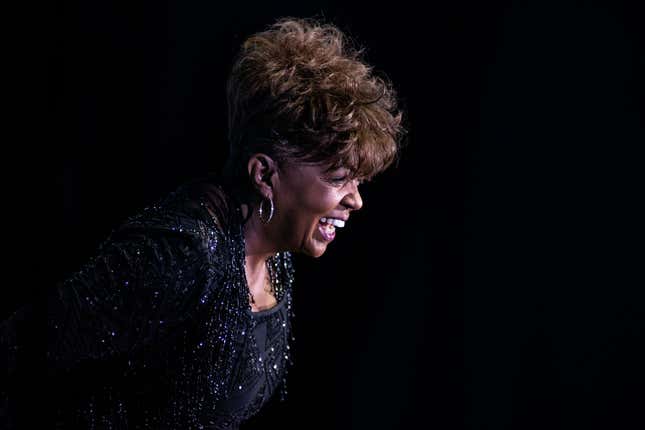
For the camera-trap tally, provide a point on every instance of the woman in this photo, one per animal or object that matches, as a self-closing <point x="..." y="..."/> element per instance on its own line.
<point x="182" y="320"/>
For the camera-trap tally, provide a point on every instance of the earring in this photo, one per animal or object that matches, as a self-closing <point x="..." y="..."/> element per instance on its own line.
<point x="261" y="211"/>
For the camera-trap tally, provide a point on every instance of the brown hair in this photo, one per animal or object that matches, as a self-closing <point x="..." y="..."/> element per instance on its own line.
<point x="300" y="91"/>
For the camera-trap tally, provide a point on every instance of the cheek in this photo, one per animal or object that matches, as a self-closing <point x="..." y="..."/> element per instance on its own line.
<point x="302" y="225"/>
<point x="321" y="202"/>
<point x="304" y="208"/>
<point x="300" y="217"/>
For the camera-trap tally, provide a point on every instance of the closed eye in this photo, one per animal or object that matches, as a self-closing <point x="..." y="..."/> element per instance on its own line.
<point x="338" y="180"/>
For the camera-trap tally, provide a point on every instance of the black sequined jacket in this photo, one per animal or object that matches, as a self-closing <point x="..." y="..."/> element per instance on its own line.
<point x="150" y="333"/>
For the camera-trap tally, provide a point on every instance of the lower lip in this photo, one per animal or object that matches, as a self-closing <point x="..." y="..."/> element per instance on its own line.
<point x="328" y="237"/>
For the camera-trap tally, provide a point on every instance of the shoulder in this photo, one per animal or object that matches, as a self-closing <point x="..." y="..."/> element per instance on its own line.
<point x="197" y="210"/>
<point x="171" y="239"/>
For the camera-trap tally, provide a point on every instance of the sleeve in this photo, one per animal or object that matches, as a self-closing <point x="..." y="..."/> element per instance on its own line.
<point x="136" y="293"/>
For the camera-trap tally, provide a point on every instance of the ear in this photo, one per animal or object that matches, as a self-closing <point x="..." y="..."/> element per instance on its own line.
<point x="263" y="171"/>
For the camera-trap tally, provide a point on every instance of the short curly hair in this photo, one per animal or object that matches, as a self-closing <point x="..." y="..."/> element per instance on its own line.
<point x="301" y="91"/>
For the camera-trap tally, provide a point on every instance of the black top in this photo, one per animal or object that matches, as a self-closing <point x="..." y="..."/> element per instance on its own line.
<point x="253" y="385"/>
<point x="156" y="331"/>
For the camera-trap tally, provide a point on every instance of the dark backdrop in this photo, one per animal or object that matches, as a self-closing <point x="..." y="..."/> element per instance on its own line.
<point x="493" y="280"/>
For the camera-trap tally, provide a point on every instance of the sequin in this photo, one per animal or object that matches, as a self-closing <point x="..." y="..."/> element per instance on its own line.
<point x="183" y="327"/>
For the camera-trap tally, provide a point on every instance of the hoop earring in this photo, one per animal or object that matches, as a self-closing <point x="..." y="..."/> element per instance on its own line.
<point x="261" y="211"/>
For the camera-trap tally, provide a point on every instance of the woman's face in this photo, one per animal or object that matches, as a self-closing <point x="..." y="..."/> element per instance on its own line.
<point x="308" y="202"/>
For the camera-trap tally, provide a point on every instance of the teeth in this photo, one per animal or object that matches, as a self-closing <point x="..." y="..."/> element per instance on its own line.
<point x="339" y="223"/>
<point x="333" y="221"/>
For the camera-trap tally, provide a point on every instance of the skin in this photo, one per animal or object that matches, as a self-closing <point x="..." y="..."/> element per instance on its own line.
<point x="302" y="194"/>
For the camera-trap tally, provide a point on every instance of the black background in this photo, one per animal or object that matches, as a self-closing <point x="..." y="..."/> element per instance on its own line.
<point x="493" y="279"/>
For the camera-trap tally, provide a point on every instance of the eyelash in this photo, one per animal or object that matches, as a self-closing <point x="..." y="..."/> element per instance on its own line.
<point x="343" y="180"/>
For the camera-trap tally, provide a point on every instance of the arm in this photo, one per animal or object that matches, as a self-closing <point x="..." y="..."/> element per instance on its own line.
<point x="139" y="289"/>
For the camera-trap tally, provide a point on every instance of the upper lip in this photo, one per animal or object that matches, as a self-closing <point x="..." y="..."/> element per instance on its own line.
<point x="338" y="217"/>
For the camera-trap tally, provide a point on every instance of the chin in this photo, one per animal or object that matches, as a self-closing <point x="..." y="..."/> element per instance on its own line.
<point x="314" y="251"/>
<point x="314" y="254"/>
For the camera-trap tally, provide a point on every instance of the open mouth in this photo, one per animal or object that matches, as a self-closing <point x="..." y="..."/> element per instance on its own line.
<point x="327" y="227"/>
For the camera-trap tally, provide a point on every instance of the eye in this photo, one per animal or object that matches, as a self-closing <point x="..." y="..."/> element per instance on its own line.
<point x="337" y="180"/>
<point x="342" y="180"/>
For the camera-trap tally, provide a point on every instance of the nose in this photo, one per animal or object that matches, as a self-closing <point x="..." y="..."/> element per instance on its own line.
<point x="353" y="199"/>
